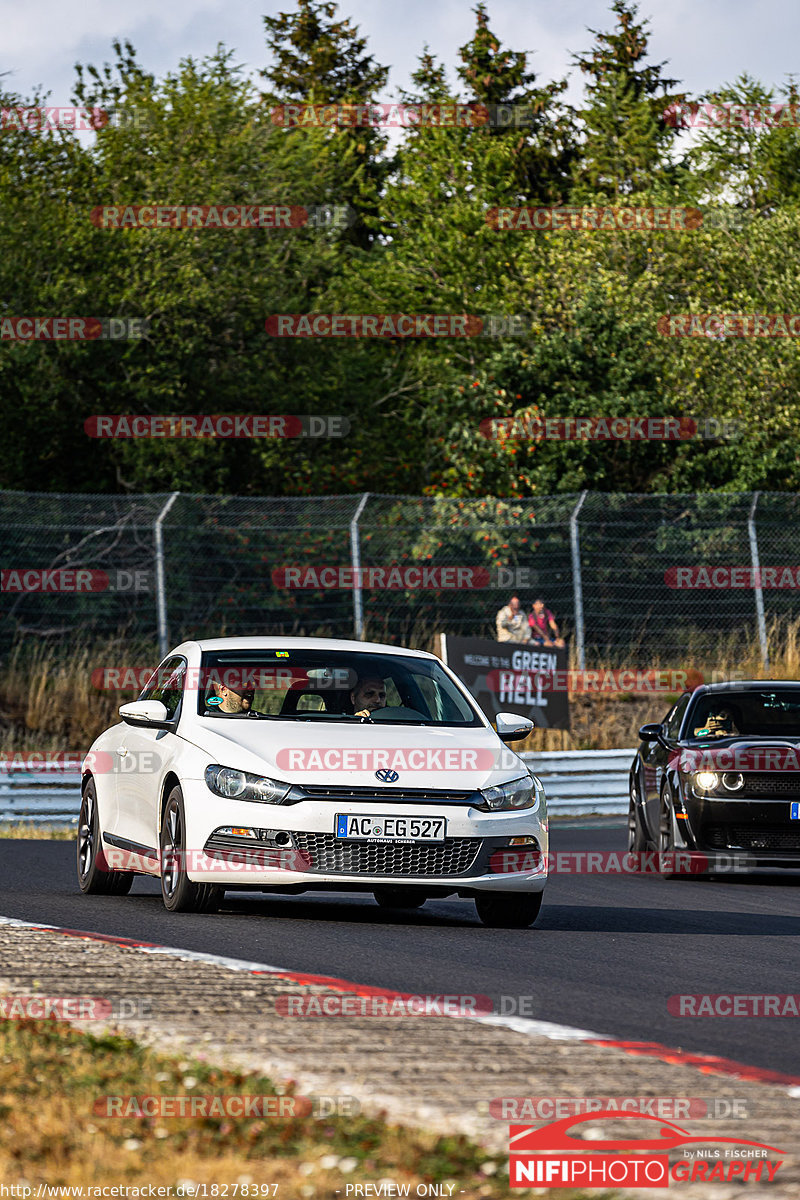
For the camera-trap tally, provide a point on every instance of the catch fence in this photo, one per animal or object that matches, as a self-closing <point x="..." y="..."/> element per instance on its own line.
<point x="644" y="578"/>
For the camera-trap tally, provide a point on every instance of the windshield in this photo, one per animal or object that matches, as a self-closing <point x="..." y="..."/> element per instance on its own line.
<point x="771" y="712"/>
<point x="332" y="686"/>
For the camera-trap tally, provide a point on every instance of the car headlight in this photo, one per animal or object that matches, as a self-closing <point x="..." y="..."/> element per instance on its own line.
<point x="239" y="785"/>
<point x="706" y="781"/>
<point x="517" y="793"/>
<point x="733" y="781"/>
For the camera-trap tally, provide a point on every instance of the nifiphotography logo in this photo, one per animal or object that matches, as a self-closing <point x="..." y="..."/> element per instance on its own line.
<point x="555" y="1156"/>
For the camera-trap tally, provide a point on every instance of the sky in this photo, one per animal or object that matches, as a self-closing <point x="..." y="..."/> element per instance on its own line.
<point x="706" y="42"/>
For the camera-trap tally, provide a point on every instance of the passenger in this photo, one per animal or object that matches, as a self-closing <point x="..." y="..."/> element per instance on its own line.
<point x="228" y="700"/>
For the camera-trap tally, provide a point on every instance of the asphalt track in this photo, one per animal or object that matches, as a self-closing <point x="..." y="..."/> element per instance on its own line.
<point x="605" y="954"/>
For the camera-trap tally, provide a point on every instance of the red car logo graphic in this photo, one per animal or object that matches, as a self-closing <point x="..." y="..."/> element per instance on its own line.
<point x="525" y="1139"/>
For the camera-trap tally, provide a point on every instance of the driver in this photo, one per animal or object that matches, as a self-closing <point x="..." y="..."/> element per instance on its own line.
<point x="719" y="723"/>
<point x="368" y="695"/>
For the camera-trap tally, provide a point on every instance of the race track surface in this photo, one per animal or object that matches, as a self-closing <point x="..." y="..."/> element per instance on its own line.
<point x="605" y="954"/>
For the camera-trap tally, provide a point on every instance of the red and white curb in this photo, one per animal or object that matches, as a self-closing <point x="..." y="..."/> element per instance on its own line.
<point x="708" y="1064"/>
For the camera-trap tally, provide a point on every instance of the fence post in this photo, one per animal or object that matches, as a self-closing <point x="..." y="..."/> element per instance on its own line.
<point x="161" y="594"/>
<point x="762" y="625"/>
<point x="577" y="585"/>
<point x="355" y="560"/>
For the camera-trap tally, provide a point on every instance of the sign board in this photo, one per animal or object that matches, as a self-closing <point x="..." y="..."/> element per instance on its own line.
<point x="510" y="677"/>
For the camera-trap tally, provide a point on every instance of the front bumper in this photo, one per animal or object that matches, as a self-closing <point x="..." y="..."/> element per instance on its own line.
<point x="753" y="826"/>
<point x="470" y="856"/>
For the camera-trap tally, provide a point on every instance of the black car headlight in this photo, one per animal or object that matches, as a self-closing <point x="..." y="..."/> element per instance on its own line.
<point x="517" y="793"/>
<point x="704" y="782"/>
<point x="240" y="785"/>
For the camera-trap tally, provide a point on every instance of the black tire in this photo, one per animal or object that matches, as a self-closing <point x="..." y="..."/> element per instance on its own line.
<point x="398" y="897"/>
<point x="94" y="877"/>
<point x="177" y="890"/>
<point x="508" y="910"/>
<point x="637" y="842"/>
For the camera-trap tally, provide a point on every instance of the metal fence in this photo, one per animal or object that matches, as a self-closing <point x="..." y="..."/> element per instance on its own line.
<point x="171" y="566"/>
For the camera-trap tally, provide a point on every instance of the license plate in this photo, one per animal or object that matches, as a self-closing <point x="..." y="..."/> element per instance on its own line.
<point x="794" y="811"/>
<point x="390" y="829"/>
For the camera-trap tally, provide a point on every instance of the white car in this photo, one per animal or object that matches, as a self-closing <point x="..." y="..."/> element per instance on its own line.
<point x="303" y="764"/>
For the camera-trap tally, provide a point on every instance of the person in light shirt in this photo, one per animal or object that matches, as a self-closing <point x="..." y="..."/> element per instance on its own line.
<point x="511" y="623"/>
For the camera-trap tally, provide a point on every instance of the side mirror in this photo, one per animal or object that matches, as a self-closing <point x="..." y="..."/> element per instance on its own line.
<point x="511" y="728"/>
<point x="151" y="714"/>
<point x="651" y="733"/>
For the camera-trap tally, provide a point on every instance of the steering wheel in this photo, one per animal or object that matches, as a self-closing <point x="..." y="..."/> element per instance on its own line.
<point x="395" y="711"/>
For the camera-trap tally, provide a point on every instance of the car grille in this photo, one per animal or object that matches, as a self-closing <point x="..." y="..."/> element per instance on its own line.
<point x="771" y="783"/>
<point x="746" y="837"/>
<point x="395" y="795"/>
<point x="453" y="856"/>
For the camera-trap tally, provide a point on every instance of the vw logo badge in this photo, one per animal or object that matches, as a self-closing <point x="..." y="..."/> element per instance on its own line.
<point x="387" y="776"/>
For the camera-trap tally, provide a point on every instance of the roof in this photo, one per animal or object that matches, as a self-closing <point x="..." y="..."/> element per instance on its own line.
<point x="273" y="642"/>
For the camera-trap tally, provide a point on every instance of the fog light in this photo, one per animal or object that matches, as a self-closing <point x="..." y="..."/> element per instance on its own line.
<point x="523" y="841"/>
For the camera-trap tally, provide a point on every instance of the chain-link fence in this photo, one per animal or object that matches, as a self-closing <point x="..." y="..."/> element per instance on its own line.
<point x="653" y="577"/>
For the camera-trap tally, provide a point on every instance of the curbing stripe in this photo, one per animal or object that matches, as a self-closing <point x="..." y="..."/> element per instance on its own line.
<point x="708" y="1064"/>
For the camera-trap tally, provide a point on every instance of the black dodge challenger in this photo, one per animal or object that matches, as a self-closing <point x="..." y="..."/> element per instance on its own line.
<point x="721" y="775"/>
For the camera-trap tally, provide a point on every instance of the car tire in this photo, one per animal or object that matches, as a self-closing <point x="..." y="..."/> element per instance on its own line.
<point x="177" y="890"/>
<point x="637" y="842"/>
<point x="398" y="897"/>
<point x="508" y="910"/>
<point x="94" y="876"/>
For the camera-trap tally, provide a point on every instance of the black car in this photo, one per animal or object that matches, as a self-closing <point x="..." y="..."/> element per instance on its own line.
<point x="721" y="775"/>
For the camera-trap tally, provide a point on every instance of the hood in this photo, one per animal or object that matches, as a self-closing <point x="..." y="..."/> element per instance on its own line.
<point x="342" y="754"/>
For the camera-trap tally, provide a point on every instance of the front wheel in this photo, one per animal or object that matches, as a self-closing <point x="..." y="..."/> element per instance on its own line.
<point x="637" y="842"/>
<point x="508" y="910"/>
<point x="177" y="890"/>
<point x="94" y="877"/>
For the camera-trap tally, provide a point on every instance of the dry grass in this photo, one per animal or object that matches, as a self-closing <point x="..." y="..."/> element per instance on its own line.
<point x="51" y="1075"/>
<point x="48" y="703"/>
